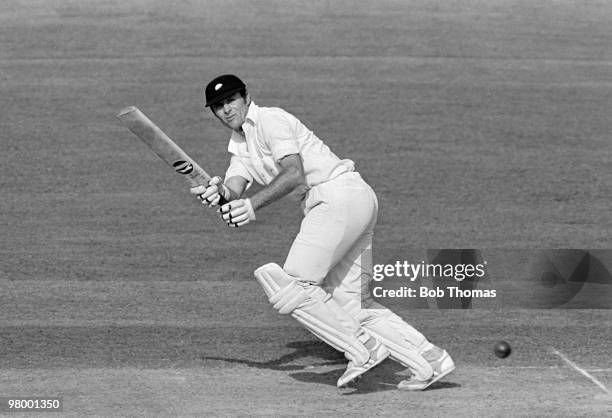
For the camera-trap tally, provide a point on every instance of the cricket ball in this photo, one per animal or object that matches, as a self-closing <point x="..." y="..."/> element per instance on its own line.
<point x="502" y="349"/>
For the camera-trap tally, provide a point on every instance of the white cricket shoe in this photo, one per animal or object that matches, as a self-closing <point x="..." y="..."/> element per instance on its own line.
<point x="442" y="365"/>
<point x="377" y="355"/>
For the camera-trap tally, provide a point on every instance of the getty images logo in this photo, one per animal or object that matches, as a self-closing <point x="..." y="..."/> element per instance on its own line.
<point x="183" y="167"/>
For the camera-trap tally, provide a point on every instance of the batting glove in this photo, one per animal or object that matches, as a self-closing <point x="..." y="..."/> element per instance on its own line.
<point x="238" y="212"/>
<point x="211" y="195"/>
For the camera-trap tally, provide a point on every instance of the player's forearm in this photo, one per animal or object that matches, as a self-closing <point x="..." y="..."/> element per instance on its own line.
<point x="287" y="181"/>
<point x="232" y="195"/>
<point x="235" y="186"/>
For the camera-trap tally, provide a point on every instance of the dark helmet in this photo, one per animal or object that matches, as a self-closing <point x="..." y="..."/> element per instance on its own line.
<point x="222" y="87"/>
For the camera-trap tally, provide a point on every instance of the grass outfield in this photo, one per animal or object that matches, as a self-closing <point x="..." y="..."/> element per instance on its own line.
<point x="479" y="124"/>
<point x="166" y="348"/>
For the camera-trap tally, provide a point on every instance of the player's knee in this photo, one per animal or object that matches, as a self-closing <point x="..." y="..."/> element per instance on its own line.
<point x="289" y="298"/>
<point x="286" y="293"/>
<point x="306" y="274"/>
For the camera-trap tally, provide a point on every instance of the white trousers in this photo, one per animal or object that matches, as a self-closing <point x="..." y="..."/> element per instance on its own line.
<point x="334" y="244"/>
<point x="334" y="250"/>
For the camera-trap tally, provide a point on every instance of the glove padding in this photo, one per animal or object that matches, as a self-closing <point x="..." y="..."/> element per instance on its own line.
<point x="211" y="195"/>
<point x="238" y="212"/>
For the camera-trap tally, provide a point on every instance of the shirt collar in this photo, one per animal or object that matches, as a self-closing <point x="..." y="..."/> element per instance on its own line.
<point x="252" y="114"/>
<point x="251" y="118"/>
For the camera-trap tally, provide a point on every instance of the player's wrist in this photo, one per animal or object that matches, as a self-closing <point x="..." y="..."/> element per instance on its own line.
<point x="255" y="202"/>
<point x="225" y="192"/>
<point x="250" y="209"/>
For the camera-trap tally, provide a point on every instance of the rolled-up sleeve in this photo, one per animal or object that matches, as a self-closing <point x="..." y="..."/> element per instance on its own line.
<point x="281" y="135"/>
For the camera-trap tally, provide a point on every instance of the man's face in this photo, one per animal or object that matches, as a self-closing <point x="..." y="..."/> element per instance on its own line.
<point x="232" y="111"/>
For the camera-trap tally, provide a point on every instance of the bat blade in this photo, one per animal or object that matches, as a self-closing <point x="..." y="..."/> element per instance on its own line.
<point x="148" y="132"/>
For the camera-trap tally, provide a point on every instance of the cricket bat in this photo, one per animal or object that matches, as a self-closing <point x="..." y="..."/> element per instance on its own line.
<point x="165" y="148"/>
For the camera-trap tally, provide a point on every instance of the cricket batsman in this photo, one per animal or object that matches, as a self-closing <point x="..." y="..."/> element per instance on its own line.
<point x="320" y="283"/>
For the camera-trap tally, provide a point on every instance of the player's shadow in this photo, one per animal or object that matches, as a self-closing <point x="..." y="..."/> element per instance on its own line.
<point x="384" y="377"/>
<point x="381" y="378"/>
<point x="303" y="349"/>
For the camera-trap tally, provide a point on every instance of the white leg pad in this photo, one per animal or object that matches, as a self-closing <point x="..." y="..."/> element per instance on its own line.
<point x="289" y="298"/>
<point x="306" y="303"/>
<point x="404" y="342"/>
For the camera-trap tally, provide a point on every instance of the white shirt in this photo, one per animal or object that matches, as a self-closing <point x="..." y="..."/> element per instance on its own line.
<point x="270" y="134"/>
